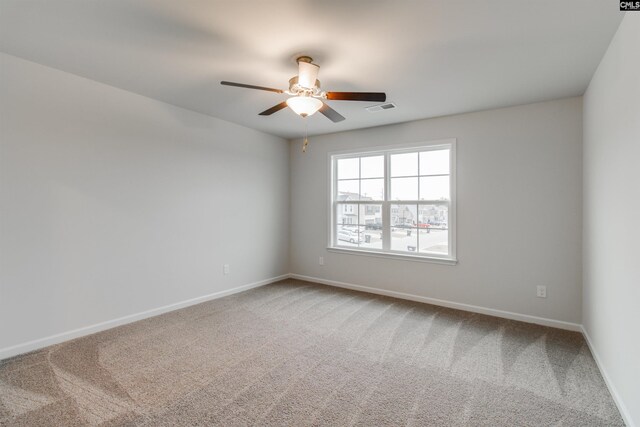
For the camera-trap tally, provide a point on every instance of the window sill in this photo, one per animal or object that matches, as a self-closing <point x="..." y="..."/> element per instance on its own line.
<point x="403" y="257"/>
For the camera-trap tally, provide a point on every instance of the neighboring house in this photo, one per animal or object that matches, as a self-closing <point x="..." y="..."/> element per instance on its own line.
<point x="401" y="215"/>
<point x="348" y="213"/>
<point x="373" y="215"/>
<point x="432" y="214"/>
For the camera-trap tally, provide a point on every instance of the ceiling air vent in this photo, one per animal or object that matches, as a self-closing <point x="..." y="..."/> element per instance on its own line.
<point x="381" y="107"/>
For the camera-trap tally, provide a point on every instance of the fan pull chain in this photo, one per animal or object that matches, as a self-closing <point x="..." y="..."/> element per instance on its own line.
<point x="306" y="140"/>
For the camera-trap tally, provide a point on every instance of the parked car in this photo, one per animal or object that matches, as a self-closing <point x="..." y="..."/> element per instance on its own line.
<point x="400" y="227"/>
<point x="374" y="226"/>
<point x="350" y="236"/>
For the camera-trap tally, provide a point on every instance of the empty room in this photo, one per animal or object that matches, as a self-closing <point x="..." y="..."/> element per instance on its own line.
<point x="332" y="213"/>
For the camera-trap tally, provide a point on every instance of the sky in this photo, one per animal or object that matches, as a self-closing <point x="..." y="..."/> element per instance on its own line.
<point x="414" y="176"/>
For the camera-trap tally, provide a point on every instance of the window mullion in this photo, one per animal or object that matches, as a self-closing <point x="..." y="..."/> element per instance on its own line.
<point x="335" y="212"/>
<point x="418" y="210"/>
<point x="386" y="205"/>
<point x="359" y="192"/>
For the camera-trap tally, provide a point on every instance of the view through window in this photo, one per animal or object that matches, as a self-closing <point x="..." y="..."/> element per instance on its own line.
<point x="394" y="201"/>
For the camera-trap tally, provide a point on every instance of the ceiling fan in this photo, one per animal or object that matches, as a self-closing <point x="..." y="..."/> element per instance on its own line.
<point x="306" y="95"/>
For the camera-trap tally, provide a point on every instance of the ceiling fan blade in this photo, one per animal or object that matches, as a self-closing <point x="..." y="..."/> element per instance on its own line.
<point x="274" y="109"/>
<point x="251" y="86"/>
<point x="357" y="96"/>
<point x="330" y="113"/>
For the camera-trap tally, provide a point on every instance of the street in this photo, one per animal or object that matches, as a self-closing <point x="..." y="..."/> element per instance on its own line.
<point x="434" y="241"/>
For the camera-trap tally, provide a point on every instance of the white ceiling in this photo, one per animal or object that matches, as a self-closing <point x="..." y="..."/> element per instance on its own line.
<point x="432" y="58"/>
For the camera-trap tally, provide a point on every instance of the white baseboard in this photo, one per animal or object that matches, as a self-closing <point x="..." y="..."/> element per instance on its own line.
<point x="87" y="330"/>
<point x="612" y="390"/>
<point x="450" y="304"/>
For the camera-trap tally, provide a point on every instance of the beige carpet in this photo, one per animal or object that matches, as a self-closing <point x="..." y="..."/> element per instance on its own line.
<point x="298" y="354"/>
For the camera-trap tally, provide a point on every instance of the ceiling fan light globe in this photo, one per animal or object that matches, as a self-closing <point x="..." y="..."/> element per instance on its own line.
<point x="304" y="105"/>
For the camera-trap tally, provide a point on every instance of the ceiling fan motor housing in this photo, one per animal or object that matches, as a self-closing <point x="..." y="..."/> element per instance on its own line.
<point x="295" y="88"/>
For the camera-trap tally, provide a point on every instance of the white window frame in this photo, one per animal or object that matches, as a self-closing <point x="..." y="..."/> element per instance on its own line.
<point x="387" y="151"/>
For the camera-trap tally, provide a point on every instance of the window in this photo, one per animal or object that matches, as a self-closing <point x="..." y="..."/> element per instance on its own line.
<point x="397" y="202"/>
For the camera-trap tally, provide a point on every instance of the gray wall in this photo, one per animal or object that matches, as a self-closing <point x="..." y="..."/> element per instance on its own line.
<point x="519" y="211"/>
<point x="113" y="204"/>
<point x="611" y="310"/>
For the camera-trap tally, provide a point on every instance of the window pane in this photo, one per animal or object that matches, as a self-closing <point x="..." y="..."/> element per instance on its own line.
<point x="404" y="188"/>
<point x="348" y="190"/>
<point x="372" y="167"/>
<point x="348" y="168"/>
<point x="371" y="216"/>
<point x="433" y="217"/>
<point x="404" y="239"/>
<point x="371" y="226"/>
<point x="404" y="164"/>
<point x="433" y="240"/>
<point x="403" y="216"/>
<point x="347" y="235"/>
<point x="434" y="162"/>
<point x="434" y="188"/>
<point x="372" y="189"/>
<point x="347" y="214"/>
<point x="372" y="238"/>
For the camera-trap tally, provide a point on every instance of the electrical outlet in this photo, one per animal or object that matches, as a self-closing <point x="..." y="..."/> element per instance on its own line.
<point x="542" y="292"/>
<point x="321" y="260"/>
<point x="225" y="269"/>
